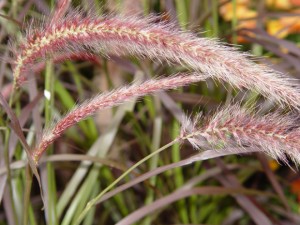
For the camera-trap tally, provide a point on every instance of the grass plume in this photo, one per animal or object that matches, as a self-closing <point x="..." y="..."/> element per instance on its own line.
<point x="110" y="99"/>
<point x="156" y="40"/>
<point x="276" y="135"/>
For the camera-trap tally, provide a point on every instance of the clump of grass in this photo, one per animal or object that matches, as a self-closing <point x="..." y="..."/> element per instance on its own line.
<point x="231" y="127"/>
<point x="76" y="35"/>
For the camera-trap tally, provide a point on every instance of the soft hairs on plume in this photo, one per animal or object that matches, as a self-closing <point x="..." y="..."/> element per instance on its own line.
<point x="142" y="37"/>
<point x="110" y="99"/>
<point x="274" y="134"/>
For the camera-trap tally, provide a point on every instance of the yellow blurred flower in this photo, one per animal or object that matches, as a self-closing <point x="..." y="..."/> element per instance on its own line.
<point x="243" y="15"/>
<point x="242" y="12"/>
<point x="273" y="164"/>
<point x="279" y="4"/>
<point x="284" y="26"/>
<point x="283" y="4"/>
<point x="275" y="28"/>
<point x="248" y="24"/>
<point x="291" y="23"/>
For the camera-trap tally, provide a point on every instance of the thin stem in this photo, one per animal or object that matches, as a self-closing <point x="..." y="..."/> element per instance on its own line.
<point x="7" y="160"/>
<point x="49" y="103"/>
<point x="28" y="184"/>
<point x="9" y="177"/>
<point x="91" y="203"/>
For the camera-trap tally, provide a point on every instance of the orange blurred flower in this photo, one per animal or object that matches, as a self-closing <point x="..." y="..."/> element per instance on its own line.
<point x="279" y="4"/>
<point x="295" y="189"/>
<point x="242" y="12"/>
<point x="245" y="16"/>
<point x="295" y="2"/>
<point x="283" y="4"/>
<point x="273" y="164"/>
<point x="275" y="28"/>
<point x="284" y="26"/>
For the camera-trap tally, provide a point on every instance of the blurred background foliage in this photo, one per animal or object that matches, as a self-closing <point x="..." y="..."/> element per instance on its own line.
<point x="93" y="154"/>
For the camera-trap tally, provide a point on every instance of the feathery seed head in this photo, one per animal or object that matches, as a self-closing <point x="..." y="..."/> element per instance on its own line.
<point x="111" y="99"/>
<point x="276" y="135"/>
<point x="158" y="41"/>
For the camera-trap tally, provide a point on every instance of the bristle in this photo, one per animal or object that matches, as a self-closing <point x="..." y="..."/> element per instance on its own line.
<point x="108" y="100"/>
<point x="158" y="41"/>
<point x="274" y="134"/>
